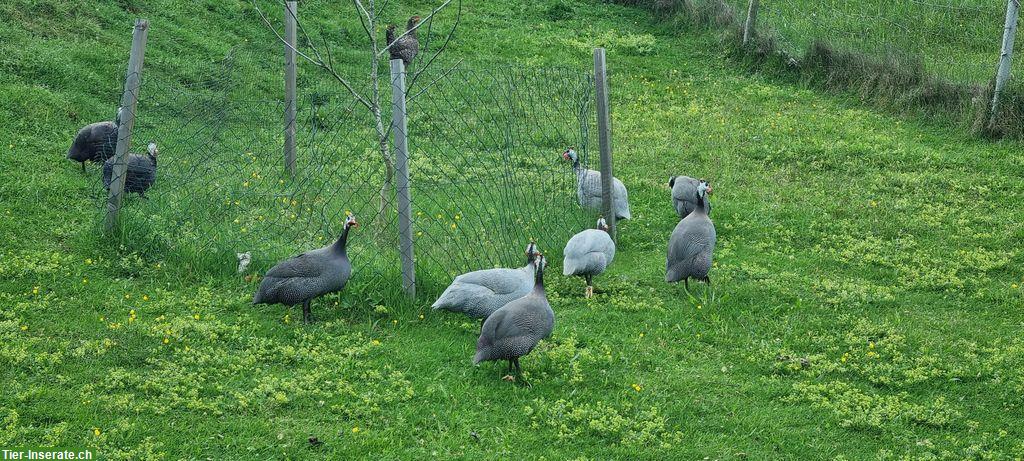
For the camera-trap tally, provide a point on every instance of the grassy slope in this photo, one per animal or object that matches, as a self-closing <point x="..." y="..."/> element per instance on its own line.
<point x="882" y="251"/>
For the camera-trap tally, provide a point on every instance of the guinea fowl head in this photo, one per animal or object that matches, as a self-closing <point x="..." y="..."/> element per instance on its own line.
<point x="703" y="189"/>
<point x="153" y="152"/>
<point x="602" y="224"/>
<point x="570" y="155"/>
<point x="538" y="278"/>
<point x="350" y="221"/>
<point x="413" y="21"/>
<point x="531" y="251"/>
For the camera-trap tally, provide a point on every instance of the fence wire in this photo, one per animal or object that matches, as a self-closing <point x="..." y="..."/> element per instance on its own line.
<point x="485" y="167"/>
<point x="958" y="41"/>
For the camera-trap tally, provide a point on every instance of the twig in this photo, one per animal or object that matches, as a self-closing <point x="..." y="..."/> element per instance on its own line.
<point x="318" y="61"/>
<point x="448" y="39"/>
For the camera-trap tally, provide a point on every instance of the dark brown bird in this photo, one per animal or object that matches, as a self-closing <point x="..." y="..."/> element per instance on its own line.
<point x="406" y="46"/>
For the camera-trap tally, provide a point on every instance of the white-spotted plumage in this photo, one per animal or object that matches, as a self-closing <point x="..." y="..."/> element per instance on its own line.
<point x="589" y="253"/>
<point x="589" y="188"/>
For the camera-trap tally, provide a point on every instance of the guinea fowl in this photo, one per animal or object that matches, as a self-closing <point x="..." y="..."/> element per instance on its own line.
<point x="479" y="293"/>
<point x="684" y="195"/>
<point x="407" y="46"/>
<point x="588" y="188"/>
<point x="95" y="142"/>
<point x="141" y="172"/>
<point x="515" y="329"/>
<point x="589" y="253"/>
<point x="301" y="279"/>
<point x="692" y="243"/>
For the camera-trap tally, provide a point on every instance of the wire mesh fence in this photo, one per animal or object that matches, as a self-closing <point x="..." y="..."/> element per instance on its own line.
<point x="956" y="40"/>
<point x="485" y="145"/>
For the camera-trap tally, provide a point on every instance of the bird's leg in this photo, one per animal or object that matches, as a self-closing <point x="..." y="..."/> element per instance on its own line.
<point x="686" y="284"/>
<point x="307" y="315"/>
<point x="590" y="288"/>
<point x="509" y="376"/>
<point x="519" y="373"/>
<point x="83" y="167"/>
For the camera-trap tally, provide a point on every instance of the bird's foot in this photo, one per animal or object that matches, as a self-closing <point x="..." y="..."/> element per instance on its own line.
<point x="590" y="292"/>
<point x="509" y="378"/>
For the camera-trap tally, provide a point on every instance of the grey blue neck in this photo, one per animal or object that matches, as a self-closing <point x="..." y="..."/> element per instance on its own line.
<point x="339" y="245"/>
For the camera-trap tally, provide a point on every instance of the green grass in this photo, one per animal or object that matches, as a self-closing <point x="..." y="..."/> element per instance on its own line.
<point x="867" y="280"/>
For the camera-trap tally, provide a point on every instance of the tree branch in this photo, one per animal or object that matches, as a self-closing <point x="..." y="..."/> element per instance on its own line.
<point x="317" y="61"/>
<point x="447" y="40"/>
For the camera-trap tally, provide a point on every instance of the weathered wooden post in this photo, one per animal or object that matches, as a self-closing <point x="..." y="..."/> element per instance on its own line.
<point x="399" y="125"/>
<point x="290" y="34"/>
<point x="604" y="138"/>
<point x="1005" y="57"/>
<point x="751" y="24"/>
<point x="129" y="101"/>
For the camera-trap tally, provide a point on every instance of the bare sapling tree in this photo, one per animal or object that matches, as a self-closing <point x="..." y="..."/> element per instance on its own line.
<point x="370" y="13"/>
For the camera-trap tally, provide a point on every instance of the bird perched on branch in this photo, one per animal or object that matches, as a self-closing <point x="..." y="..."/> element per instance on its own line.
<point x="141" y="172"/>
<point x="406" y="46"/>
<point x="300" y="279"/>
<point x="95" y="142"/>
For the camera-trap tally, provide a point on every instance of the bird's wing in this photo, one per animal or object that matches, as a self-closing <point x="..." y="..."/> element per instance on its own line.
<point x="503" y="322"/>
<point x="309" y="264"/>
<point x="691" y="237"/>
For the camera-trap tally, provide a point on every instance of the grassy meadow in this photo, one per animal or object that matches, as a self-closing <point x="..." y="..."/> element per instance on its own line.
<point x="867" y="281"/>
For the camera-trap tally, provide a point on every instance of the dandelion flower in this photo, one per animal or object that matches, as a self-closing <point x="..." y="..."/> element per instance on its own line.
<point x="195" y="316"/>
<point x="24" y="327"/>
<point x="355" y="430"/>
<point x="167" y="340"/>
<point x="145" y="297"/>
<point x="394" y="322"/>
<point x="376" y="343"/>
<point x="453" y="226"/>
<point x="88" y="261"/>
<point x="85" y="281"/>
<point x="421" y="316"/>
<point x="636" y="387"/>
<point x="287" y="318"/>
<point x="871" y="344"/>
<point x="641" y="334"/>
<point x="1014" y="286"/>
<point x="96" y="431"/>
<point x="127" y="296"/>
<point x="35" y="290"/>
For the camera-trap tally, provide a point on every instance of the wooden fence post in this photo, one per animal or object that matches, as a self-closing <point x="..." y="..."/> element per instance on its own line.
<point x="290" y="20"/>
<point x="604" y="139"/>
<point x="399" y="124"/>
<point x="129" y="101"/>
<point x="1005" y="57"/>
<point x="751" y="24"/>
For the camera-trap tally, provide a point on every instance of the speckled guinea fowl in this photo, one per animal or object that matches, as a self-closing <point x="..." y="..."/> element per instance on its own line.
<point x="589" y="253"/>
<point x="301" y="279"/>
<point x="407" y="45"/>
<point x="515" y="329"/>
<point x="684" y="195"/>
<point x="588" y="188"/>
<point x="479" y="293"/>
<point x="692" y="244"/>
<point x="141" y="172"/>
<point x="95" y="142"/>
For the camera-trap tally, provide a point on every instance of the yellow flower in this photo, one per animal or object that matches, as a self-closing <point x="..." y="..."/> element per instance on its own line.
<point x="85" y="281"/>
<point x="127" y="296"/>
<point x="294" y="202"/>
<point x="167" y="340"/>
<point x="145" y="297"/>
<point x="458" y="217"/>
<point x="419" y="234"/>
<point x="874" y="203"/>
<point x="88" y="261"/>
<point x="287" y="318"/>
<point x="35" y="290"/>
<point x="394" y="322"/>
<point x="453" y="226"/>
<point x="245" y="184"/>
<point x="1014" y="286"/>
<point x="24" y="327"/>
<point x="421" y="316"/>
<point x="96" y="431"/>
<point x="196" y="316"/>
<point x="636" y="387"/>
<point x="376" y="343"/>
<point x="439" y="216"/>
<point x="355" y="429"/>
<point x="698" y="306"/>
<point x="871" y="344"/>
<point x="641" y="334"/>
